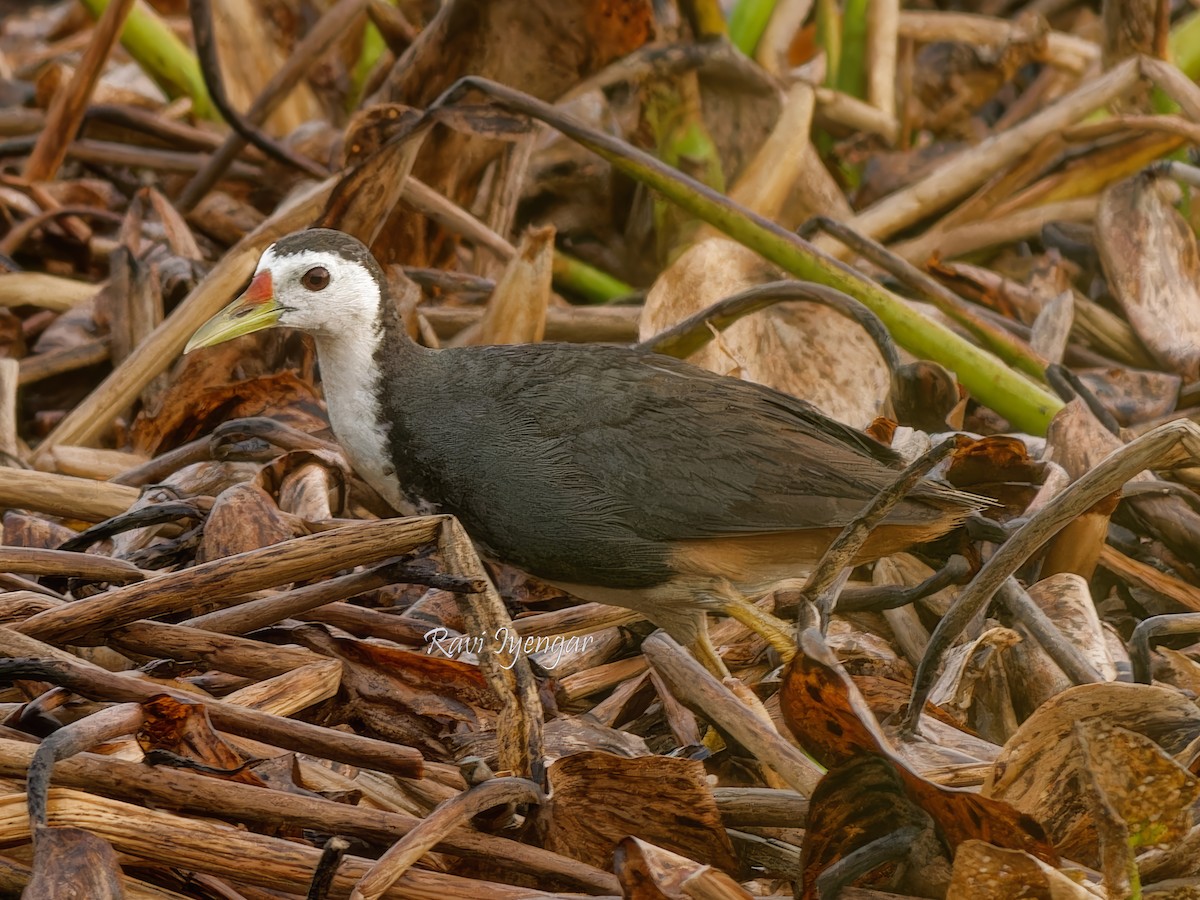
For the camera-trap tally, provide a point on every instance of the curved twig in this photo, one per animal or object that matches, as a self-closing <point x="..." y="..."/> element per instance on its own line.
<point x="1165" y="446"/>
<point x="686" y="337"/>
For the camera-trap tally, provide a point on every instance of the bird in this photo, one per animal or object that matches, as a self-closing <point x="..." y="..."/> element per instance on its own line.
<point x="611" y="472"/>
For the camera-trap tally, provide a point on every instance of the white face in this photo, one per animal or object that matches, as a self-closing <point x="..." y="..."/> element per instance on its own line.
<point x="321" y="293"/>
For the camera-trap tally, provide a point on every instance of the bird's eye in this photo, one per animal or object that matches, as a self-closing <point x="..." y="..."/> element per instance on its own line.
<point x="316" y="278"/>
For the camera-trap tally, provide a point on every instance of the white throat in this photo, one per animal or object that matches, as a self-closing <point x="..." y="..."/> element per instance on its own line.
<point x="350" y="378"/>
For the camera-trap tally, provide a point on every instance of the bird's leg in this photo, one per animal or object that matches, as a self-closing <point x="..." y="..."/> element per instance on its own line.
<point x="776" y="632"/>
<point x="702" y="648"/>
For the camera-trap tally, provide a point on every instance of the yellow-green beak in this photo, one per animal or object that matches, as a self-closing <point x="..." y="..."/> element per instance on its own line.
<point x="254" y="310"/>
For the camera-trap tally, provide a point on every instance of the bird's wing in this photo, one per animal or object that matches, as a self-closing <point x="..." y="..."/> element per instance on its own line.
<point x="672" y="452"/>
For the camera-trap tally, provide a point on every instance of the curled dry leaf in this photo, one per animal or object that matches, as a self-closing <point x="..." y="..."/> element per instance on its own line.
<point x="1037" y="772"/>
<point x="1149" y="790"/>
<point x="863" y="802"/>
<point x="1133" y="395"/>
<point x="974" y="685"/>
<point x="403" y="696"/>
<point x="648" y="872"/>
<point x="597" y="799"/>
<point x="984" y="872"/>
<point x="184" y="731"/>
<point x="244" y="517"/>
<point x="1066" y="599"/>
<point x="998" y="467"/>
<point x="516" y="312"/>
<point x="73" y="862"/>
<point x="830" y="719"/>
<point x="804" y="349"/>
<point x="1153" y="268"/>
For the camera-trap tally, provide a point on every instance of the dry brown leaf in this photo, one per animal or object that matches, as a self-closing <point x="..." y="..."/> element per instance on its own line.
<point x="804" y="349"/>
<point x="73" y="862"/>
<point x="244" y="517"/>
<point x="830" y="719"/>
<point x="648" y="872"/>
<point x="516" y="312"/>
<point x="984" y="872"/>
<point x="1149" y="790"/>
<point x="857" y="804"/>
<point x="1037" y="770"/>
<point x="597" y="799"/>
<point x="1153" y="268"/>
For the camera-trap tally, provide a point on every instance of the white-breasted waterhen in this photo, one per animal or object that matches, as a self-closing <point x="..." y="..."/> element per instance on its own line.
<point x="619" y="475"/>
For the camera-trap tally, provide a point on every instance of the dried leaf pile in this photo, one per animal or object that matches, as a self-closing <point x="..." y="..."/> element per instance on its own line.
<point x="230" y="671"/>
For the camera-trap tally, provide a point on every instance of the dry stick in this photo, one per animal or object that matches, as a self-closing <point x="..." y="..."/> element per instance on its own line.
<point x="686" y="337"/>
<point x="230" y="852"/>
<point x="836" y="108"/>
<point x="960" y="240"/>
<point x="1064" y="653"/>
<point x="322" y="36"/>
<point x="443" y="821"/>
<point x="65" y="359"/>
<point x="519" y="732"/>
<point x="1147" y="576"/>
<point x="1154" y="627"/>
<point x="67" y="108"/>
<point x="956" y="177"/>
<point x="10" y="375"/>
<point x="189" y="792"/>
<point x="883" y="24"/>
<point x="89" y="420"/>
<point x="224" y="580"/>
<point x="699" y="691"/>
<point x="268" y="610"/>
<point x="1174" y="84"/>
<point x="106" y="724"/>
<point x="1062" y="50"/>
<point x="205" y="40"/>
<point x="94" y="683"/>
<point x="35" y="561"/>
<point x="229" y="653"/>
<point x="62" y="495"/>
<point x="822" y="584"/>
<point x="44" y="291"/>
<point x="20" y="232"/>
<point x="1167" y="124"/>
<point x="1168" y="445"/>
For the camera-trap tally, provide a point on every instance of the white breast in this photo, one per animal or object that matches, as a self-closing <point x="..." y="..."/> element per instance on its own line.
<point x="349" y="376"/>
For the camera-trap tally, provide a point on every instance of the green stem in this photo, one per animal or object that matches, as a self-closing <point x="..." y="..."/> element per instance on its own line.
<point x="588" y="282"/>
<point x="747" y="23"/>
<point x="1184" y="43"/>
<point x="1028" y="406"/>
<point x="852" y="71"/>
<point x="162" y="56"/>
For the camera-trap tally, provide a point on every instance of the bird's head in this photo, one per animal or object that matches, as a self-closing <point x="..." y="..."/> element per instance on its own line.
<point x="324" y="282"/>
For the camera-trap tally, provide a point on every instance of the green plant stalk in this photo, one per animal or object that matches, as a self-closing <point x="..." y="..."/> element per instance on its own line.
<point x="672" y="112"/>
<point x="1184" y="44"/>
<point x="373" y="46"/>
<point x="747" y="23"/>
<point x="592" y="284"/>
<point x="162" y="56"/>
<point x="829" y="38"/>
<point x="706" y="17"/>
<point x="852" y="69"/>
<point x="1025" y="404"/>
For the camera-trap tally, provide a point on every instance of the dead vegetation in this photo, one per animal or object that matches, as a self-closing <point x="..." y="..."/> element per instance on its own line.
<point x="228" y="673"/>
